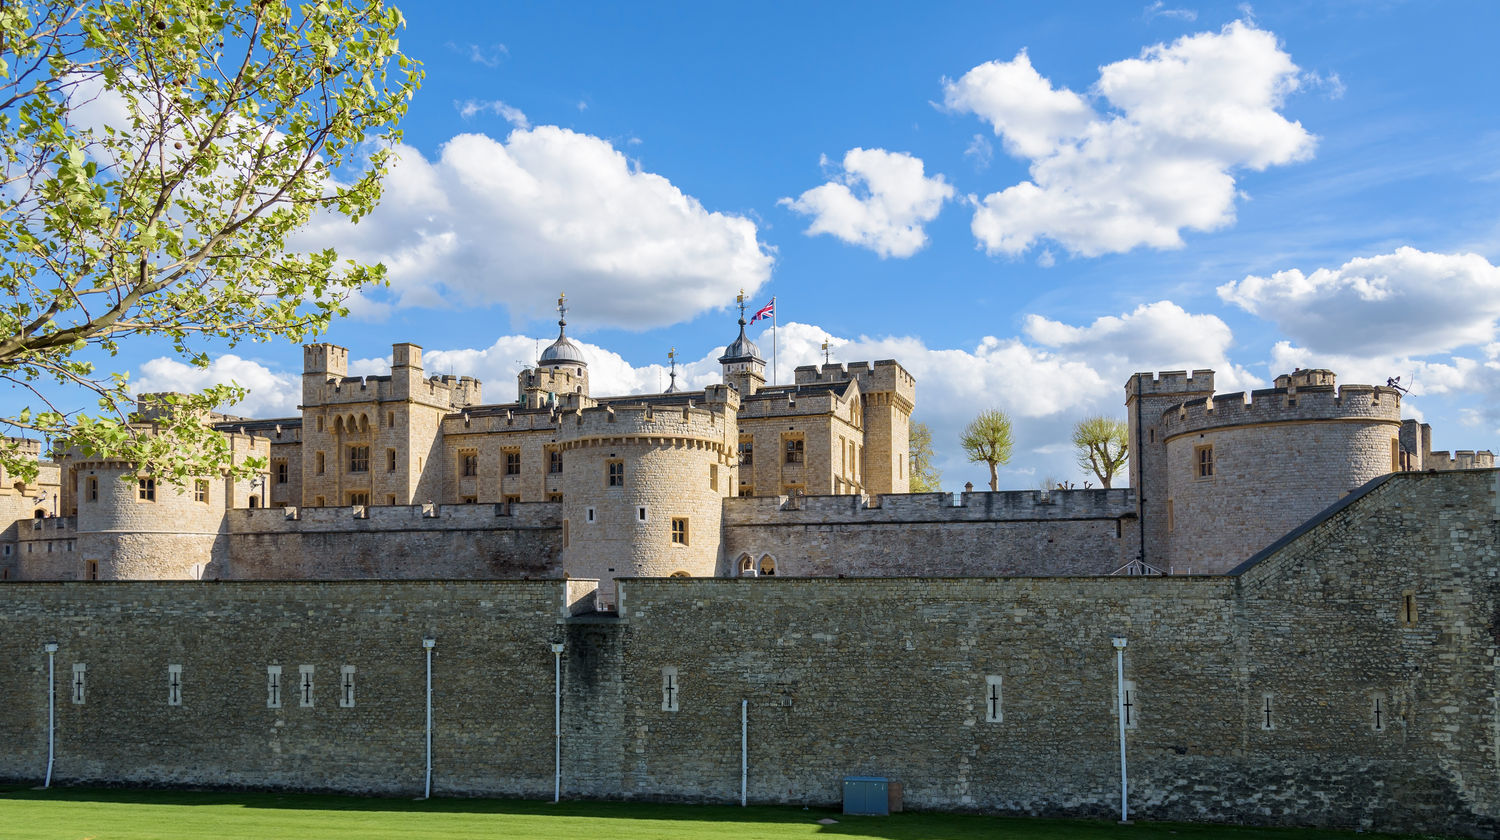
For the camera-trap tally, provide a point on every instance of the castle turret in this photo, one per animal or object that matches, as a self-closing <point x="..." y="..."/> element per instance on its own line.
<point x="743" y="366"/>
<point x="1146" y="397"/>
<point x="561" y="376"/>
<point x="1242" y="470"/>
<point x="644" y="488"/>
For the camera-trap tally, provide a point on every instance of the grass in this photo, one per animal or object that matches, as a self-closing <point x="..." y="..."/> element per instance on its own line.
<point x="83" y="814"/>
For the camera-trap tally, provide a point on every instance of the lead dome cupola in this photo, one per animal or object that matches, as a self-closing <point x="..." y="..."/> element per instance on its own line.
<point x="562" y="351"/>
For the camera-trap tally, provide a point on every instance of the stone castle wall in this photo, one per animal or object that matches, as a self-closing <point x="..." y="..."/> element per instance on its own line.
<point x="1087" y="532"/>
<point x="399" y="543"/>
<point x="876" y="676"/>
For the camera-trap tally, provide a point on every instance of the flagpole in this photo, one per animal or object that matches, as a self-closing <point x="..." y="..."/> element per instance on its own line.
<point x="775" y="338"/>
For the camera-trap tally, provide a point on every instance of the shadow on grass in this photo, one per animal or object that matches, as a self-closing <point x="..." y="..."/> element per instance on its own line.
<point x="911" y="825"/>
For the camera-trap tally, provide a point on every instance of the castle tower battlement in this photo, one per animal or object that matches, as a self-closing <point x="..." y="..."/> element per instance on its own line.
<point x="1284" y="405"/>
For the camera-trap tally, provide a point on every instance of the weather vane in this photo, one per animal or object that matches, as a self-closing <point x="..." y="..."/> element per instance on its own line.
<point x="672" y="358"/>
<point x="825" y="352"/>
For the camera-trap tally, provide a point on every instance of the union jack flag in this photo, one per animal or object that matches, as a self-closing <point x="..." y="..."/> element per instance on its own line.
<point x="765" y="311"/>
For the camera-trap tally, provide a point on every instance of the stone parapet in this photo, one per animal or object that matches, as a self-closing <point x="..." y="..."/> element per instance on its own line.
<point x="1283" y="405"/>
<point x="931" y="507"/>
<point x="393" y="518"/>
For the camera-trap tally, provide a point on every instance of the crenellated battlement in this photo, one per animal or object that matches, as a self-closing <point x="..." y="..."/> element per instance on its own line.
<point x="1284" y="405"/>
<point x="1170" y="382"/>
<point x="457" y="391"/>
<point x="701" y="422"/>
<point x="880" y="375"/>
<point x="500" y="420"/>
<point x="1463" y="459"/>
<point x="1008" y="505"/>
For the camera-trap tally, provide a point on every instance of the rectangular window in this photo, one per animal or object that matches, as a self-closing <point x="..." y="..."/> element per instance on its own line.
<point x="80" y="683"/>
<point x="346" y="687"/>
<point x="615" y="471"/>
<point x="273" y="686"/>
<point x="992" y="697"/>
<point x="174" y="685"/>
<point x="640" y="514"/>
<point x="843" y="456"/>
<point x="390" y="419"/>
<point x="319" y="501"/>
<point x="588" y="514"/>
<point x="1409" y="608"/>
<point x="679" y="531"/>
<point x="794" y="450"/>
<point x="390" y="460"/>
<point x="281" y="472"/>
<point x="713" y="476"/>
<point x="390" y="498"/>
<point x="1171" y="520"/>
<point x="1204" y="458"/>
<point x="359" y="459"/>
<point x="92" y="567"/>
<point x="554" y="462"/>
<point x="305" y="685"/>
<point x="318" y="463"/>
<point x="669" y="689"/>
<point x="747" y="490"/>
<point x="200" y="490"/>
<point x="747" y="451"/>
<point x="469" y="464"/>
<point x="513" y="463"/>
<point x="1395" y="454"/>
<point x="554" y="497"/>
<point x="93" y="489"/>
<point x="359" y="499"/>
<point x="320" y="424"/>
<point x="146" y="490"/>
<point x="513" y="500"/>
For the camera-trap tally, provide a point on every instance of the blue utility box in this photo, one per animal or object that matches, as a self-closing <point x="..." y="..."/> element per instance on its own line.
<point x="867" y="795"/>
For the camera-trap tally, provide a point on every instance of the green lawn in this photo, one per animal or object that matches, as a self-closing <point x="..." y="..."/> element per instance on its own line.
<point x="76" y="814"/>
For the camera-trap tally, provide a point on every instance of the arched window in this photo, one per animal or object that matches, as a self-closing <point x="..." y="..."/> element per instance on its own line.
<point x="747" y="564"/>
<point x="767" y="565"/>
<point x="680" y="574"/>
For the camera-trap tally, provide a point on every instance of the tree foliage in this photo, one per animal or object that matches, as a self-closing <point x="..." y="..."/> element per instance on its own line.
<point x="988" y="439"/>
<point x="923" y="476"/>
<point x="1101" y="444"/>
<point x="157" y="156"/>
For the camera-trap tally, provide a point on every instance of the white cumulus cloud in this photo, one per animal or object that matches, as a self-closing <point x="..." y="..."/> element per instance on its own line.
<point x="1408" y="302"/>
<point x="1181" y="119"/>
<point x="272" y="393"/>
<point x="880" y="201"/>
<point x="544" y="211"/>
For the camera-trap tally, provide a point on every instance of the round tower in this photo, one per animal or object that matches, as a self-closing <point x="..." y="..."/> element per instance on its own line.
<point x="644" y="488"/>
<point x="1240" y="473"/>
<point x="561" y="376"/>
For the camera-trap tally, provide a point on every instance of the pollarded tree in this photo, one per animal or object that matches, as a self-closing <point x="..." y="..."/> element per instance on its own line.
<point x="1102" y="445"/>
<point x="157" y="156"/>
<point x="988" y="439"/>
<point x="923" y="476"/>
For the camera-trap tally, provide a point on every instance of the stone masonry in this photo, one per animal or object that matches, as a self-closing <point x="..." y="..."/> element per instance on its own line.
<point x="1346" y="676"/>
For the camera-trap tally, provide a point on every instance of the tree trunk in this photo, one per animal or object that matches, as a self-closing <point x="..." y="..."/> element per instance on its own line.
<point x="994" y="478"/>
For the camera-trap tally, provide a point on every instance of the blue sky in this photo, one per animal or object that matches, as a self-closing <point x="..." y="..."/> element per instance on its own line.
<point x="1022" y="203"/>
